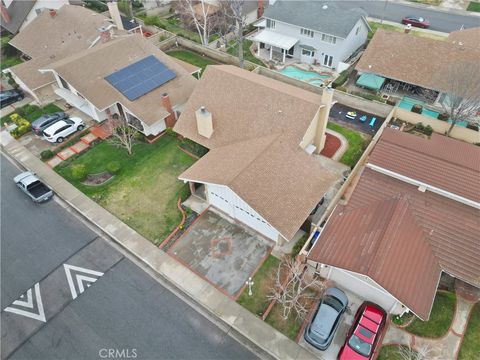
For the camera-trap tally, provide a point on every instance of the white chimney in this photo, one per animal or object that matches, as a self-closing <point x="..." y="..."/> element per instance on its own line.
<point x="115" y="14"/>
<point x="204" y="122"/>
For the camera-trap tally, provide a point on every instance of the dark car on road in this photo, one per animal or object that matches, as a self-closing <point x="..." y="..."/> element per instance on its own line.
<point x="365" y="333"/>
<point x="416" y="21"/>
<point x="324" y="324"/>
<point x="8" y="97"/>
<point x="45" y="121"/>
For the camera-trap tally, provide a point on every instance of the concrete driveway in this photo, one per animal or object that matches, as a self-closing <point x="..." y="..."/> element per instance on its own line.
<point x="354" y="303"/>
<point x="222" y="251"/>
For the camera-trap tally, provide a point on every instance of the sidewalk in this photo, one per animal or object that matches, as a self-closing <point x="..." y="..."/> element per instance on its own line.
<point x="229" y="312"/>
<point x="445" y="347"/>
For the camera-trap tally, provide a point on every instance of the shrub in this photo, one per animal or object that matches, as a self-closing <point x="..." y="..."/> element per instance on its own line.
<point x="341" y="79"/>
<point x="419" y="126"/>
<point x="153" y="20"/>
<point x="472" y="126"/>
<point x="23" y="126"/>
<point x="46" y="155"/>
<point x="79" y="172"/>
<point x="391" y="102"/>
<point x="367" y="96"/>
<point x="341" y="88"/>
<point x="114" y="167"/>
<point x="193" y="147"/>
<point x="442" y="116"/>
<point x="417" y="108"/>
<point x="428" y="130"/>
<point x="140" y="137"/>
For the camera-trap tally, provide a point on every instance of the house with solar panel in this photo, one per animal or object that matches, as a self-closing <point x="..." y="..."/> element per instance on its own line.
<point x="127" y="77"/>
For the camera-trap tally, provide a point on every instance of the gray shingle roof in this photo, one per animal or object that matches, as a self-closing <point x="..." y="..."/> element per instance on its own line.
<point x="312" y="15"/>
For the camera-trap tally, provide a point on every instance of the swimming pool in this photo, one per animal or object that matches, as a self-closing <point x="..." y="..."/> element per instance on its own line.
<point x="408" y="102"/>
<point x="310" y="77"/>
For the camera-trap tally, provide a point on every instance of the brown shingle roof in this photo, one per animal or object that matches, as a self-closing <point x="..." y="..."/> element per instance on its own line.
<point x="280" y="181"/>
<point x="404" y="57"/>
<point x="48" y="39"/>
<point x="451" y="228"/>
<point x="468" y="37"/>
<point x="258" y="125"/>
<point x="383" y="241"/>
<point x="442" y="162"/>
<point x="87" y="70"/>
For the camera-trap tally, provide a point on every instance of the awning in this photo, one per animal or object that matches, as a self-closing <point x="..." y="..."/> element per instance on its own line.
<point x="74" y="100"/>
<point x="370" y="81"/>
<point x="307" y="47"/>
<point x="275" y="39"/>
<point x="262" y="23"/>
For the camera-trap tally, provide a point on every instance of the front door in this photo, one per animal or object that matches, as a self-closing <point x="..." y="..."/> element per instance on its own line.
<point x="327" y="60"/>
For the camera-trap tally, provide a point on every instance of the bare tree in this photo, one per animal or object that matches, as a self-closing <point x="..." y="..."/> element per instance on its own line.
<point x="408" y="353"/>
<point x="461" y="84"/>
<point x="200" y="14"/>
<point x="234" y="11"/>
<point x="123" y="135"/>
<point x="293" y="287"/>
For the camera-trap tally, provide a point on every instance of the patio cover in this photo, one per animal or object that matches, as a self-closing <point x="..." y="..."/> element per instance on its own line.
<point x="370" y="81"/>
<point x="275" y="39"/>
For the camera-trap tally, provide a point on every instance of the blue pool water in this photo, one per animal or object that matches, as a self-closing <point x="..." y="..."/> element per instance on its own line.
<point x="310" y="77"/>
<point x="408" y="102"/>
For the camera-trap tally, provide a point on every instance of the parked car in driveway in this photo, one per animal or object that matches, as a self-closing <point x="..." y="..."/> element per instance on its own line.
<point x="8" y="97"/>
<point x="416" y="21"/>
<point x="33" y="187"/>
<point x="63" y="128"/>
<point x="319" y="333"/>
<point x="363" y="337"/>
<point x="45" y="121"/>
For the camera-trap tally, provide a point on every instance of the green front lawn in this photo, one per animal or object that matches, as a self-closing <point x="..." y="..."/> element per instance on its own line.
<point x="258" y="303"/>
<point x="247" y="55"/>
<point x="440" y="318"/>
<point x="356" y="144"/>
<point x="31" y="112"/>
<point x="470" y="348"/>
<point x="192" y="58"/>
<point x="145" y="191"/>
<point x="474" y="6"/>
<point x="289" y="327"/>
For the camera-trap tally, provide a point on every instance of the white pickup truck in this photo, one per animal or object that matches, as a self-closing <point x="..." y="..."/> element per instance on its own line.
<point x="33" y="187"/>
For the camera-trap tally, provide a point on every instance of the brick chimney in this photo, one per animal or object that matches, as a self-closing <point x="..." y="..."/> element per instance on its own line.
<point x="53" y="12"/>
<point x="167" y="104"/>
<point x="5" y="15"/>
<point x="260" y="9"/>
<point x="115" y="14"/>
<point x="104" y="34"/>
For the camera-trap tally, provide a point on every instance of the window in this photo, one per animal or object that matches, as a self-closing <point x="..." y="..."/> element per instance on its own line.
<point x="306" y="32"/>
<point x="358" y="30"/>
<point x="308" y="53"/>
<point x="329" y="39"/>
<point x="270" y="24"/>
<point x="64" y="83"/>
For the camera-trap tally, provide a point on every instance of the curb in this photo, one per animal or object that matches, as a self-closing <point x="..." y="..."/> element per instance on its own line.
<point x="224" y="310"/>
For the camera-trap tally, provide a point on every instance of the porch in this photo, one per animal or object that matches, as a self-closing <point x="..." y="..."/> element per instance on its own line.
<point x="274" y="46"/>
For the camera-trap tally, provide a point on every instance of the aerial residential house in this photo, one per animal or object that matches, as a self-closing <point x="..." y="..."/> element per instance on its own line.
<point x="313" y="32"/>
<point x="52" y="36"/>
<point x="127" y="76"/>
<point x="262" y="137"/>
<point x="411" y="222"/>
<point x="401" y="66"/>
<point x="17" y="14"/>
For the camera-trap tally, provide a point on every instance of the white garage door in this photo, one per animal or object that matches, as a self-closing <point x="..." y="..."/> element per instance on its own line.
<point x="364" y="287"/>
<point x="229" y="202"/>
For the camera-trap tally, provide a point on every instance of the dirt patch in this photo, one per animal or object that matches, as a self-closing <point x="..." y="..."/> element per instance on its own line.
<point x="332" y="144"/>
<point x="97" y="179"/>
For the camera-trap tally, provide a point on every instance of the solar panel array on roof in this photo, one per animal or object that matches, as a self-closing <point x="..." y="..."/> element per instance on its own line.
<point x="141" y="77"/>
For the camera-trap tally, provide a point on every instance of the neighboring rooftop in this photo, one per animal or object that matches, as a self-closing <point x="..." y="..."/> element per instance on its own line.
<point x="316" y="15"/>
<point x="402" y="57"/>
<point x="258" y="125"/>
<point x="48" y="39"/>
<point x="107" y="58"/>
<point x="392" y="232"/>
<point x="466" y="37"/>
<point x="129" y="24"/>
<point x="18" y="11"/>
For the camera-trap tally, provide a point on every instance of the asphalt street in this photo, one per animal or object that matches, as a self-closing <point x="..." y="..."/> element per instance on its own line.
<point x="69" y="294"/>
<point x="439" y="20"/>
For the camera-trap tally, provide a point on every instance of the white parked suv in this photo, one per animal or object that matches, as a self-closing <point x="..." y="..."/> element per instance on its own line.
<point x="60" y="130"/>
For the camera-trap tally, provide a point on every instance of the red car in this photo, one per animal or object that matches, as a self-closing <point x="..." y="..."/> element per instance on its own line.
<point x="417" y="21"/>
<point x="362" y="339"/>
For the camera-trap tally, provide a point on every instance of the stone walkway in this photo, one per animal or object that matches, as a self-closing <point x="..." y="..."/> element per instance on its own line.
<point x="445" y="347"/>
<point x="76" y="148"/>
